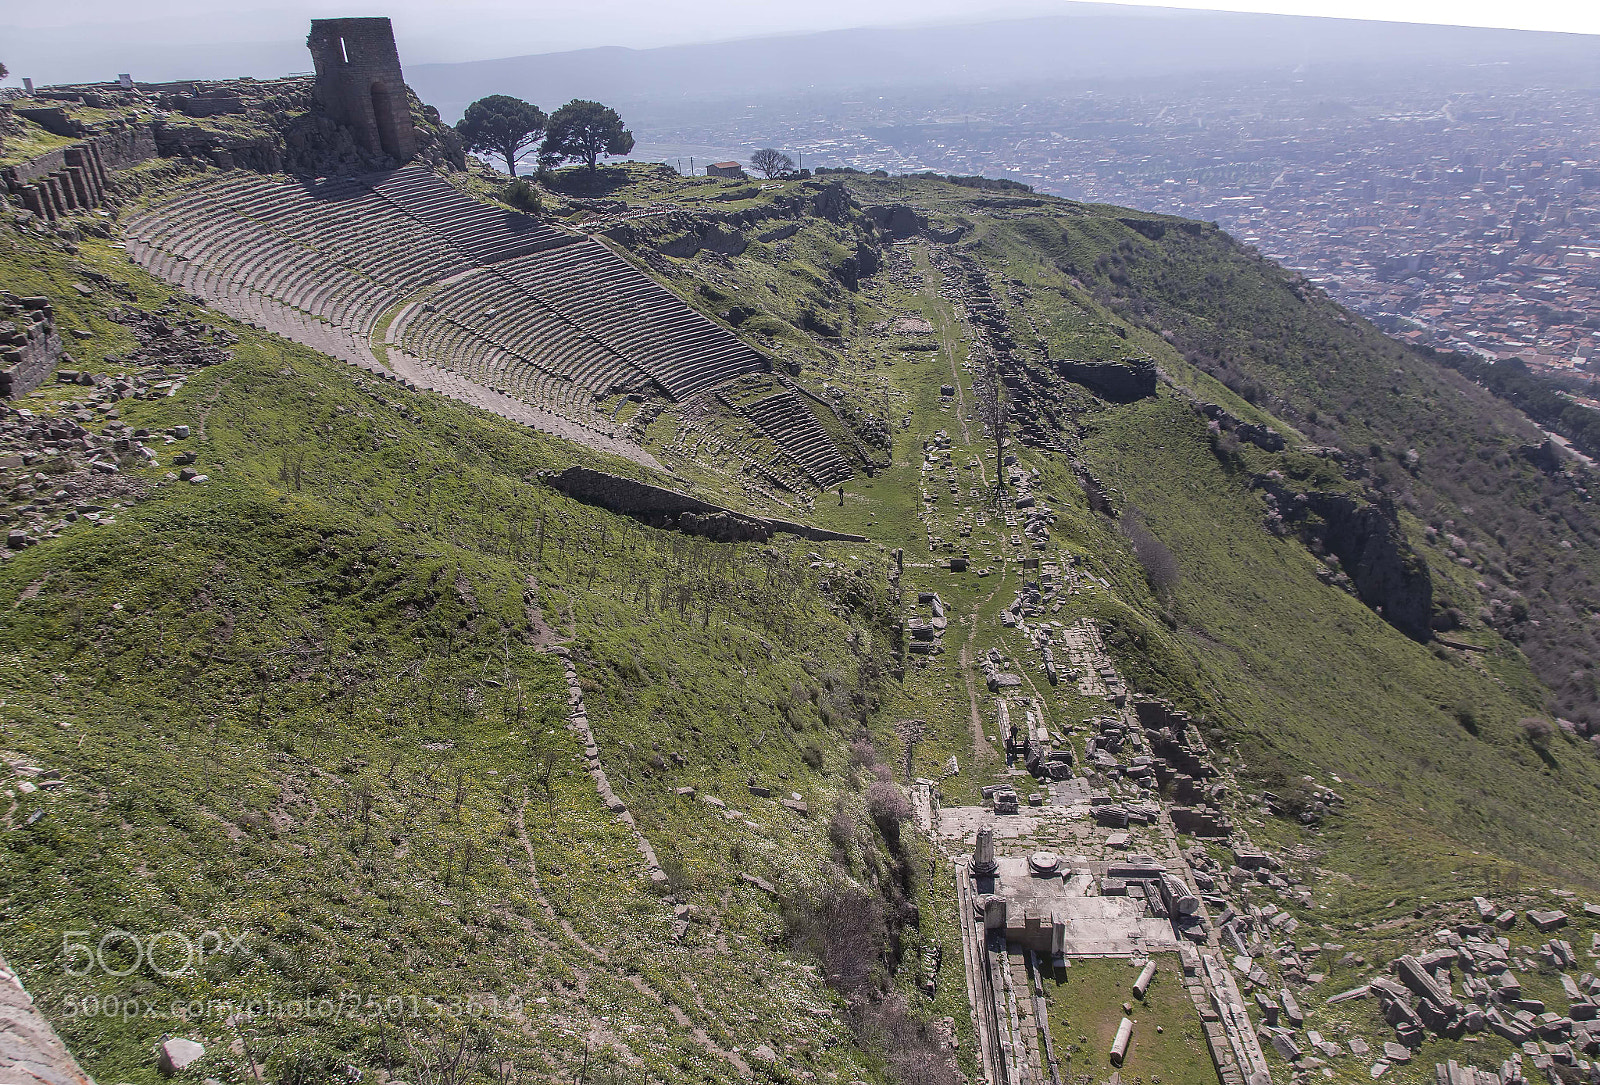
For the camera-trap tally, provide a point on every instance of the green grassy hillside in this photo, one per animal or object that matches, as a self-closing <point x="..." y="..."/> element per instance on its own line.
<point x="1298" y="674"/>
<point x="1460" y="461"/>
<point x="308" y="705"/>
<point x="318" y="702"/>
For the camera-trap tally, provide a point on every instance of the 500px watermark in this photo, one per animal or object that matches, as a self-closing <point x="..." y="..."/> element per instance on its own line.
<point x="122" y="953"/>
<point x="345" y="1005"/>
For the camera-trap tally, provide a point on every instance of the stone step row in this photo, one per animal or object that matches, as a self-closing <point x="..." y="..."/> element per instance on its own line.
<point x="796" y="430"/>
<point x="682" y="350"/>
<point x="271" y="314"/>
<point x="531" y="311"/>
<point x="483" y="311"/>
<point x="483" y="233"/>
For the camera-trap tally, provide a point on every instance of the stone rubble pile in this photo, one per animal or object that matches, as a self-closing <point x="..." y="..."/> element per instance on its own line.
<point x="169" y="338"/>
<point x="927" y="634"/>
<point x="55" y="470"/>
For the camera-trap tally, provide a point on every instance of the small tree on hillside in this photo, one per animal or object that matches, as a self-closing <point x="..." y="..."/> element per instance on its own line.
<point x="502" y="125"/>
<point x="771" y="162"/>
<point x="583" y="131"/>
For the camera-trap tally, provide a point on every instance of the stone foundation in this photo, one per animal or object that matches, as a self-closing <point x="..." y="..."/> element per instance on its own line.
<point x="29" y="345"/>
<point x="76" y="179"/>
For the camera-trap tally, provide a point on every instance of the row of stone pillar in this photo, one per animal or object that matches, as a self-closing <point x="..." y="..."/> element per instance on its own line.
<point x="78" y="186"/>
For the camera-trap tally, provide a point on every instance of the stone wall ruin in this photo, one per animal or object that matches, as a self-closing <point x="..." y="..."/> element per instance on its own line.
<point x="661" y="507"/>
<point x="1127" y="381"/>
<point x="359" y="83"/>
<point x="75" y="179"/>
<point x="29" y="344"/>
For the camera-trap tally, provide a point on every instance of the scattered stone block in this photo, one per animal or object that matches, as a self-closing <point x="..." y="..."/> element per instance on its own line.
<point x="176" y="1053"/>
<point x="760" y="883"/>
<point x="1547" y="920"/>
<point x="1291" y="1008"/>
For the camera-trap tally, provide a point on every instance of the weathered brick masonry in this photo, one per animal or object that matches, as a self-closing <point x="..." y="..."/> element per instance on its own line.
<point x="360" y="85"/>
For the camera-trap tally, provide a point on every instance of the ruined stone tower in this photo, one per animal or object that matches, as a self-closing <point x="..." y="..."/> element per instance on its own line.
<point x="360" y="85"/>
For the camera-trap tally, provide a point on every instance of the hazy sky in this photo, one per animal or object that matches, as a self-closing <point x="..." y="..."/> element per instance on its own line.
<point x="52" y="41"/>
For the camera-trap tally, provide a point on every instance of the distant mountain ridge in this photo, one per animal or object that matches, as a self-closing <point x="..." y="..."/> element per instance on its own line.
<point x="1141" y="42"/>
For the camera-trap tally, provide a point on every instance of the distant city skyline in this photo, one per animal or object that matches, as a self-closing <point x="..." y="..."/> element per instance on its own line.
<point x="47" y="40"/>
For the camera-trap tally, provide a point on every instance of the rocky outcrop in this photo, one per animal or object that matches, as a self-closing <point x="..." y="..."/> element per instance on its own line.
<point x="897" y="221"/>
<point x="1544" y="455"/>
<point x="1156" y="229"/>
<point x="1389" y="576"/>
<point x="862" y="265"/>
<point x="1263" y="437"/>
<point x="1126" y="381"/>
<point x="1094" y="491"/>
<point x="277" y="125"/>
<point x="309" y="143"/>
<point x="709" y="236"/>
<point x="831" y="201"/>
<point x="682" y="234"/>
<point x="30" y="1050"/>
<point x="262" y="153"/>
<point x="1372" y="558"/>
<point x="661" y="507"/>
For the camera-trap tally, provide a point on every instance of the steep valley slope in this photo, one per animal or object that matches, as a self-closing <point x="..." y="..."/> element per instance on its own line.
<point x="475" y="781"/>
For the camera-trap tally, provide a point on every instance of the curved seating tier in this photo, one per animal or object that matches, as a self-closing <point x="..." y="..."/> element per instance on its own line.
<point x="483" y="233"/>
<point x="793" y="427"/>
<point x="524" y="309"/>
<point x="487" y="312"/>
<point x="601" y="292"/>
